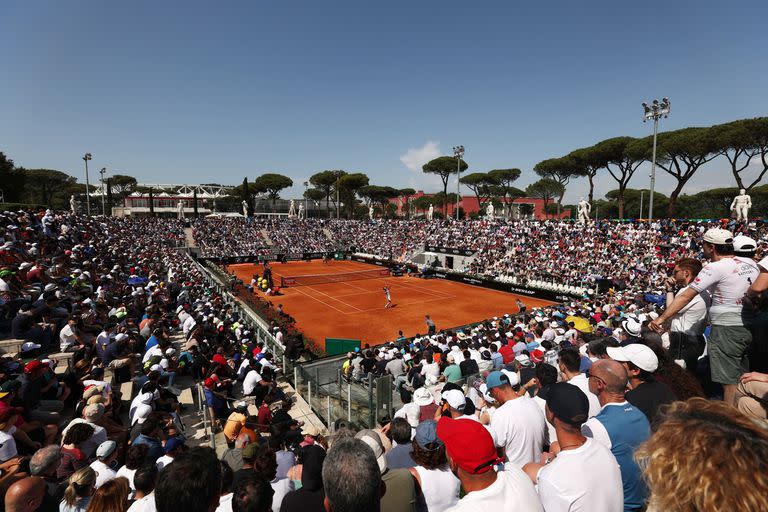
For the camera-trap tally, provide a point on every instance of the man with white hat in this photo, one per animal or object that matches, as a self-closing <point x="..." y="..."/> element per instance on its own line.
<point x="646" y="393"/>
<point x="727" y="278"/>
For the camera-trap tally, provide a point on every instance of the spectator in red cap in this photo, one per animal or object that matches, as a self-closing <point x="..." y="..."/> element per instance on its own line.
<point x="46" y="411"/>
<point x="584" y="474"/>
<point x="217" y="404"/>
<point x="472" y="457"/>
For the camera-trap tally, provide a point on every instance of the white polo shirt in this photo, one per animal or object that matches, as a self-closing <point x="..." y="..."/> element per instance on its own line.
<point x="585" y="479"/>
<point x="252" y="379"/>
<point x="512" y="492"/>
<point x="692" y="319"/>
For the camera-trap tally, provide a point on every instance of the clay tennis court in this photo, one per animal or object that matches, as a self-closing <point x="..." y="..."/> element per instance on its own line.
<point x="355" y="309"/>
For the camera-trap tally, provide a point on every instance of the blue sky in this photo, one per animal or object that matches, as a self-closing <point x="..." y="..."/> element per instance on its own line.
<point x="195" y="92"/>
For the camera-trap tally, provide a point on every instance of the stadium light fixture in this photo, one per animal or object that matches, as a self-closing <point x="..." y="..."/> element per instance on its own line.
<point x="103" y="171"/>
<point x="86" y="158"/>
<point x="655" y="111"/>
<point x="458" y="152"/>
<point x="306" y="211"/>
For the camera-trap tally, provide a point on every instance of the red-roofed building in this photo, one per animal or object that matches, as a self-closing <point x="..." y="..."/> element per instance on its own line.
<point x="471" y="205"/>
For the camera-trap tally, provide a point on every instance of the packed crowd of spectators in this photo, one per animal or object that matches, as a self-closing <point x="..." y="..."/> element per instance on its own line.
<point x="634" y="255"/>
<point x="588" y="405"/>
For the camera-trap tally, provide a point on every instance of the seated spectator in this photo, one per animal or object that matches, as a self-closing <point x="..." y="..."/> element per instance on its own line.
<point x="309" y="493"/>
<point x="25" y="495"/>
<point x="472" y="456"/>
<point x="437" y="487"/>
<point x="351" y="460"/>
<point x="80" y="487"/>
<point x="73" y="456"/>
<point x="145" y="480"/>
<point x="252" y="494"/>
<point x="110" y="497"/>
<point x="714" y="433"/>
<point x="106" y="455"/>
<point x="400" y="454"/>
<point x="400" y="490"/>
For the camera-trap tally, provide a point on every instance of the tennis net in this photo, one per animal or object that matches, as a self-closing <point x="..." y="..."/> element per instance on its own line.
<point x="311" y="279"/>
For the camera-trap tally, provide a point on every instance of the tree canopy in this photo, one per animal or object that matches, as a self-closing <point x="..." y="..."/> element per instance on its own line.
<point x="560" y="170"/>
<point x="272" y="184"/>
<point x="545" y="189"/>
<point x="444" y="166"/>
<point x="326" y="182"/>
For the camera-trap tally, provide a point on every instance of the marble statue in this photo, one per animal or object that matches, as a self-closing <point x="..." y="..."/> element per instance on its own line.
<point x="301" y="211"/>
<point x="292" y="209"/>
<point x="430" y="212"/>
<point x="584" y="209"/>
<point x="245" y="208"/>
<point x="73" y="203"/>
<point x="489" y="210"/>
<point x="370" y="213"/>
<point x="741" y="205"/>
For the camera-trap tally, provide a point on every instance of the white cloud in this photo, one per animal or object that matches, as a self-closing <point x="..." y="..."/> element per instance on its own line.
<point x="414" y="158"/>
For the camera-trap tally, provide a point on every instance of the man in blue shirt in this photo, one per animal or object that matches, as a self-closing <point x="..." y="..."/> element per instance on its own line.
<point x="619" y="426"/>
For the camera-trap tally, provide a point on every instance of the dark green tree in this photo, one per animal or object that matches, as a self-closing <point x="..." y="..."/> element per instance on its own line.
<point x="444" y="166"/>
<point x="740" y="142"/>
<point x="545" y="189"/>
<point x="151" y="202"/>
<point x="590" y="161"/>
<point x="245" y="193"/>
<point x="326" y="181"/>
<point x="680" y="154"/>
<point x="349" y="185"/>
<point x="194" y="201"/>
<point x="11" y="180"/>
<point x="482" y="184"/>
<point x="45" y="184"/>
<point x="560" y="170"/>
<point x="504" y="179"/>
<point x="620" y="163"/>
<point x="272" y="184"/>
<point x="405" y="194"/>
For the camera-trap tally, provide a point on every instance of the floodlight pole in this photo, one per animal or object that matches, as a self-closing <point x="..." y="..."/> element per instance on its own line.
<point x="654" y="111"/>
<point x="458" y="152"/>
<point x="87" y="157"/>
<point x="103" y="171"/>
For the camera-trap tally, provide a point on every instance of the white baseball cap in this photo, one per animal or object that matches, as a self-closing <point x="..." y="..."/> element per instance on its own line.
<point x="743" y="243"/>
<point x="718" y="236"/>
<point x="636" y="353"/>
<point x="455" y="399"/>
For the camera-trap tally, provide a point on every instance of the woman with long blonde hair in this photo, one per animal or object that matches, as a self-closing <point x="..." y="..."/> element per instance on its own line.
<point x="706" y="456"/>
<point x="79" y="490"/>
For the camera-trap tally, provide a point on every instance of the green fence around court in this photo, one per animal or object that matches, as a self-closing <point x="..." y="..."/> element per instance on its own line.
<point x="336" y="346"/>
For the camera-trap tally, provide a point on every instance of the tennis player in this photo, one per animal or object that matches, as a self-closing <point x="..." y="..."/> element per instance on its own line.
<point x="388" y="296"/>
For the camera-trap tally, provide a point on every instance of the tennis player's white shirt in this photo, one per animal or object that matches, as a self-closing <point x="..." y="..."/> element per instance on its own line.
<point x="520" y="429"/>
<point x="584" y="479"/>
<point x="727" y="280"/>
<point x="511" y="492"/>
<point x="581" y="382"/>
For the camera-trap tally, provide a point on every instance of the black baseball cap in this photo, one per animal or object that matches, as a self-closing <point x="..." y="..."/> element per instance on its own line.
<point x="568" y="403"/>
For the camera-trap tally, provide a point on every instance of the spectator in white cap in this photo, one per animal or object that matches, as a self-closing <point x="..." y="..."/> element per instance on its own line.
<point x="456" y="405"/>
<point x="645" y="392"/>
<point x="727" y="278"/>
<point x="106" y="460"/>
<point x="518" y="427"/>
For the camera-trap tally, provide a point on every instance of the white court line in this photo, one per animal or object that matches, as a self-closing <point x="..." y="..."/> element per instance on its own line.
<point x="321" y="302"/>
<point x="398" y="304"/>
<point x="334" y="298"/>
<point x="434" y="293"/>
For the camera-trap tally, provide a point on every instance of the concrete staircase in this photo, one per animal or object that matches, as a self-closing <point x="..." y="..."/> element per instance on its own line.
<point x="189" y="238"/>
<point x="265" y="234"/>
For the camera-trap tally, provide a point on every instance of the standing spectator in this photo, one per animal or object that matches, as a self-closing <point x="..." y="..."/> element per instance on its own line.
<point x="518" y="427"/>
<point x="351" y="460"/>
<point x="191" y="484"/>
<point x="309" y="498"/>
<point x="727" y="278"/>
<point x="437" y="487"/>
<point x="265" y="466"/>
<point x="430" y="325"/>
<point x="620" y="427"/>
<point x="472" y="456"/>
<point x="145" y="480"/>
<point x="399" y="488"/>
<point x="584" y="475"/>
<point x="400" y="454"/>
<point x="570" y="362"/>
<point x="725" y="455"/>
<point x="253" y="494"/>
<point x="686" y="327"/>
<point x="646" y="393"/>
